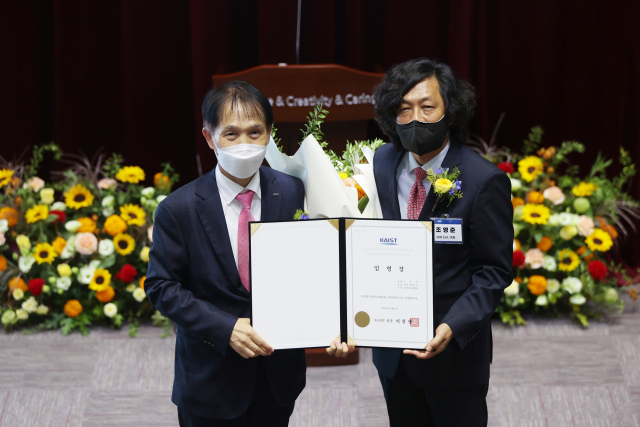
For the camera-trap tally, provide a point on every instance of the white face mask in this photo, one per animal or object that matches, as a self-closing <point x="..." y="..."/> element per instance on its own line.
<point x="242" y="160"/>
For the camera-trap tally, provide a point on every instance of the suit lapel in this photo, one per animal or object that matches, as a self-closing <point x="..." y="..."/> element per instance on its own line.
<point x="212" y="218"/>
<point x="271" y="197"/>
<point x="451" y="160"/>
<point x="388" y="184"/>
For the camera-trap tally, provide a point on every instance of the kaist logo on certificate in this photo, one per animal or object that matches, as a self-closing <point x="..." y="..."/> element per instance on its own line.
<point x="447" y="230"/>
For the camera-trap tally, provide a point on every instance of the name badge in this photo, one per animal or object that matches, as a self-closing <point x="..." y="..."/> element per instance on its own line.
<point x="447" y="230"/>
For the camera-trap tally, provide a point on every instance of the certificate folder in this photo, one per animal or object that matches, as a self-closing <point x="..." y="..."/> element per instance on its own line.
<point x="363" y="281"/>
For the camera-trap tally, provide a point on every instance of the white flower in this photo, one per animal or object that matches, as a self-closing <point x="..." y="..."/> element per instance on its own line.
<point x="35" y="184"/>
<point x="72" y="226"/>
<point x="3" y="239"/>
<point x="42" y="310"/>
<point x="22" y="314"/>
<point x="107" y="212"/>
<point x="160" y="198"/>
<point x="553" y="286"/>
<point x="148" y="192"/>
<point x="554" y="220"/>
<point x="59" y="206"/>
<point x="542" y="300"/>
<point x="131" y="287"/>
<point x="572" y="285"/>
<point x="568" y="232"/>
<point x="25" y="262"/>
<point x="4" y="225"/>
<point x="139" y="294"/>
<point x="8" y="317"/>
<point x="515" y="184"/>
<point x="64" y="282"/>
<point x="108" y="202"/>
<point x="106" y="247"/>
<point x="17" y="294"/>
<point x="30" y="305"/>
<point x="577" y="299"/>
<point x="513" y="289"/>
<point x="69" y="251"/>
<point x="150" y="233"/>
<point x="86" y="274"/>
<point x="110" y="309"/>
<point x="95" y="263"/>
<point x="549" y="264"/>
<point x="565" y="219"/>
<point x="46" y="195"/>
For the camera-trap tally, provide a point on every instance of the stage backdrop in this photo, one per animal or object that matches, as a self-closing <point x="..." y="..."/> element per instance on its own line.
<point x="130" y="75"/>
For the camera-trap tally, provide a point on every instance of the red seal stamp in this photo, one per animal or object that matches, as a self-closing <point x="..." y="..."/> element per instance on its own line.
<point x="414" y="322"/>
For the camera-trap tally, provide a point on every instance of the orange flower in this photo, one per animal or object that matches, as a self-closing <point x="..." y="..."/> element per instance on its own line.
<point x="545" y="244"/>
<point x="10" y="214"/>
<point x="518" y="245"/>
<point x="3" y="263"/>
<point x="518" y="279"/>
<point x="633" y="293"/>
<point x="73" y="308"/>
<point x="88" y="225"/>
<point x="581" y="250"/>
<point x="115" y="225"/>
<point x="546" y="153"/>
<point x="106" y="295"/>
<point x="588" y="258"/>
<point x="535" y="197"/>
<point x="18" y="201"/>
<point x="58" y="245"/>
<point x="612" y="231"/>
<point x="17" y="283"/>
<point x="361" y="192"/>
<point x="161" y="181"/>
<point x="537" y="285"/>
<point x="517" y="201"/>
<point x="141" y="282"/>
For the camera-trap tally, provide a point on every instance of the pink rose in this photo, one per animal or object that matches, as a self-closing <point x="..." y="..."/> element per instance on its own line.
<point x="35" y="184"/>
<point x="86" y="243"/>
<point x="534" y="258"/>
<point x="106" y="183"/>
<point x="2" y="239"/>
<point x="554" y="194"/>
<point x="585" y="225"/>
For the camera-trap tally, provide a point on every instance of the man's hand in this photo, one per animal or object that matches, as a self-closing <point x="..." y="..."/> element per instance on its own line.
<point x="340" y="350"/>
<point x="443" y="337"/>
<point x="246" y="342"/>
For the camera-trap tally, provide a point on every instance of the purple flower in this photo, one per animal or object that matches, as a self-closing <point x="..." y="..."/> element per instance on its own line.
<point x="439" y="170"/>
<point x="304" y="216"/>
<point x="458" y="184"/>
<point x="451" y="191"/>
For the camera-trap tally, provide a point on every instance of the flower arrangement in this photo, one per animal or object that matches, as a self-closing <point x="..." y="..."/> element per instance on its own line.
<point x="445" y="184"/>
<point x="73" y="252"/>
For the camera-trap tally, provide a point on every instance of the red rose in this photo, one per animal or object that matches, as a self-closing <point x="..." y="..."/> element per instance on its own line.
<point x="35" y="286"/>
<point x="127" y="273"/>
<point x="518" y="259"/>
<point x="506" y="167"/>
<point x="62" y="217"/>
<point x="597" y="270"/>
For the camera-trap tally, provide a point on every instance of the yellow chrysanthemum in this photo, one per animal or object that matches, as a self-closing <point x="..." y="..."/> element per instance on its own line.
<point x="569" y="260"/>
<point x="44" y="252"/>
<point x="599" y="240"/>
<point x="58" y="245"/>
<point x="5" y="177"/>
<point x="88" y="225"/>
<point x="115" y="225"/>
<point x="530" y="167"/>
<point x="132" y="174"/>
<point x="101" y="280"/>
<point x="535" y="214"/>
<point x="124" y="244"/>
<point x="584" y="189"/>
<point x="78" y="197"/>
<point x="37" y="213"/>
<point x="132" y="214"/>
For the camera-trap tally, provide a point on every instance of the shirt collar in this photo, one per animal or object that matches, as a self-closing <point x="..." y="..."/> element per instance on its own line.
<point x="229" y="189"/>
<point x="434" y="163"/>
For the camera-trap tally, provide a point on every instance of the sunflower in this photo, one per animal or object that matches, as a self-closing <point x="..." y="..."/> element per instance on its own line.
<point x="569" y="260"/>
<point x="44" y="252"/>
<point x="124" y="244"/>
<point x="530" y="167"/>
<point x="37" y="213"/>
<point x="5" y="177"/>
<point x="599" y="240"/>
<point x="78" y="197"/>
<point x="132" y="214"/>
<point x="101" y="280"/>
<point x="535" y="214"/>
<point x="132" y="174"/>
<point x="584" y="189"/>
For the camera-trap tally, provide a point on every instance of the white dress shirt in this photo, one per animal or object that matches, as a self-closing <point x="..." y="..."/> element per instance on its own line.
<point x="406" y="177"/>
<point x="231" y="206"/>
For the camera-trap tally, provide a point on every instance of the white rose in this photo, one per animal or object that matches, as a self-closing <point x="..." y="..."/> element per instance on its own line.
<point x="542" y="300"/>
<point x="86" y="274"/>
<point x="68" y="251"/>
<point x="95" y="263"/>
<point x="131" y="287"/>
<point x="59" y="206"/>
<point x="577" y="299"/>
<point x="64" y="282"/>
<point x="30" y="305"/>
<point x="565" y="219"/>
<point x="553" y="286"/>
<point x="42" y="310"/>
<point x="110" y="309"/>
<point x="515" y="184"/>
<point x="4" y="225"/>
<point x="554" y="220"/>
<point x="107" y="212"/>
<point x="139" y="294"/>
<point x="26" y="262"/>
<point x="73" y="226"/>
<point x="549" y="263"/>
<point x="572" y="285"/>
<point x="513" y="289"/>
<point x="108" y="202"/>
<point x="148" y="192"/>
<point x="17" y="294"/>
<point x="22" y="314"/>
<point x="106" y="247"/>
<point x="160" y="198"/>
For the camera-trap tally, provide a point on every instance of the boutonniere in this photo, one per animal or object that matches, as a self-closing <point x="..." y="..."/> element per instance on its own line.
<point x="446" y="185"/>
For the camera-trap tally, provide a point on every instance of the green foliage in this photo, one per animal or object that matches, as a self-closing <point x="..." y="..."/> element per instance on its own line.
<point x="161" y="322"/>
<point x="362" y="203"/>
<point x="299" y="213"/>
<point x="38" y="156"/>
<point x="134" y="328"/>
<point x="312" y="127"/>
<point x="278" y="141"/>
<point x="112" y="165"/>
<point x="533" y="140"/>
<point x="513" y="318"/>
<point x="169" y="171"/>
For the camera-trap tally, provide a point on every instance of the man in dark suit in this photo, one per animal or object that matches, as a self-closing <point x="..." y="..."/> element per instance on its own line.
<point x="198" y="276"/>
<point x="423" y="108"/>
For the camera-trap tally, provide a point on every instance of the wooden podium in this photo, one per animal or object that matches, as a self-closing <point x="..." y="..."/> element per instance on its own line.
<point x="293" y="91"/>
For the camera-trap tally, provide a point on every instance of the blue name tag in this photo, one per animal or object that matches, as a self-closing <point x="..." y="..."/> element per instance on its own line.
<point x="447" y="230"/>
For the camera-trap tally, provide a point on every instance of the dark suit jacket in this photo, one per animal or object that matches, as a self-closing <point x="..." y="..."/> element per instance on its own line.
<point x="193" y="280"/>
<point x="469" y="278"/>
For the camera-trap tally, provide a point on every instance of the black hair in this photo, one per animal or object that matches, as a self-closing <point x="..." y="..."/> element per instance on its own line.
<point x="459" y="96"/>
<point x="234" y="96"/>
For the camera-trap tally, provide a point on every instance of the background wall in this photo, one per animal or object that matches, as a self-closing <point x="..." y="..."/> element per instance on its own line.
<point x="130" y="75"/>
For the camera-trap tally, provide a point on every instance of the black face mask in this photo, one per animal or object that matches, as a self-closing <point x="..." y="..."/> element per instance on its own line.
<point x="421" y="137"/>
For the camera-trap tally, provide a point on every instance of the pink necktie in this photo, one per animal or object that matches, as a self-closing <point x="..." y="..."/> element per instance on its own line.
<point x="418" y="195"/>
<point x="243" y="236"/>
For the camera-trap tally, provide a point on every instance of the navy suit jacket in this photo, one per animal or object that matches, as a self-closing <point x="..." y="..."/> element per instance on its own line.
<point x="193" y="280"/>
<point x="469" y="278"/>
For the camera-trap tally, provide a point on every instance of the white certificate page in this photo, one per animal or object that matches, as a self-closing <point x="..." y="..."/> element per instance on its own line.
<point x="390" y="283"/>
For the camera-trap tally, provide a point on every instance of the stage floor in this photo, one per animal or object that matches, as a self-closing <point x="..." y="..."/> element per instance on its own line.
<point x="549" y="373"/>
